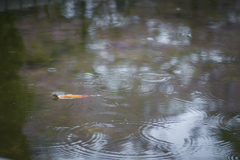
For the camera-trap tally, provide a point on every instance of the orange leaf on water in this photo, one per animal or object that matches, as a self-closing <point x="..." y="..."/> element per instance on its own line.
<point x="70" y="96"/>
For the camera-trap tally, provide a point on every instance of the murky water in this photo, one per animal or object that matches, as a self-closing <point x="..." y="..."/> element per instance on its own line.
<point x="165" y="75"/>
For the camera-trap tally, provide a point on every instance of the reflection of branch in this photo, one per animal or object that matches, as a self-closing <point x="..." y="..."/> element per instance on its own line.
<point x="6" y="4"/>
<point x="94" y="14"/>
<point x="86" y="24"/>
<point x="129" y="6"/>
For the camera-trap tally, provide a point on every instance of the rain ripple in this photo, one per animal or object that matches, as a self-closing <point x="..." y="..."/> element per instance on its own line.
<point x="232" y="156"/>
<point x="166" y="140"/>
<point x="154" y="77"/>
<point x="151" y="82"/>
<point x="112" y="135"/>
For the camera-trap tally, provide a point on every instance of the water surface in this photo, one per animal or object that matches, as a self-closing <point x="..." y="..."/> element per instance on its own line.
<point x="166" y="72"/>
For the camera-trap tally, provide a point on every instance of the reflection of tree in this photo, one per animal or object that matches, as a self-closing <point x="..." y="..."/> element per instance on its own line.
<point x="14" y="101"/>
<point x="86" y="22"/>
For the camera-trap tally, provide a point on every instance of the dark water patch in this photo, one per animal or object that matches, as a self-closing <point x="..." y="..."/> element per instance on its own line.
<point x="229" y="141"/>
<point x="111" y="116"/>
<point x="41" y="118"/>
<point x="232" y="156"/>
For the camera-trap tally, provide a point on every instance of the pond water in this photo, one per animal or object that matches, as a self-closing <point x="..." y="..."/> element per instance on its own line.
<point x="164" y="75"/>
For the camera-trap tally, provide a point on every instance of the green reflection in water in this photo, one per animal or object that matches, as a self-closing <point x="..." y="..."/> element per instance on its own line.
<point x="14" y="100"/>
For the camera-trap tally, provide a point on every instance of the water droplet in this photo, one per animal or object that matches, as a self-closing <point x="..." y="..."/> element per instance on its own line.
<point x="52" y="69"/>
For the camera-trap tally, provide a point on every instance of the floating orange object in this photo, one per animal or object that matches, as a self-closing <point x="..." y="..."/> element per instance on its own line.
<point x="70" y="96"/>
